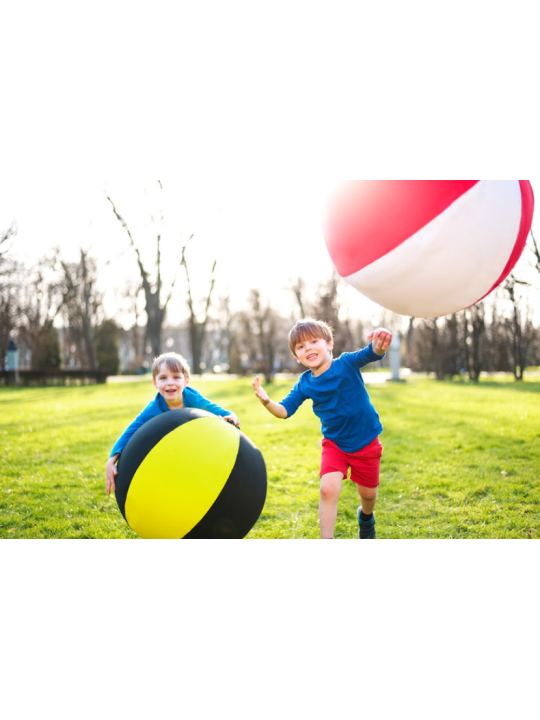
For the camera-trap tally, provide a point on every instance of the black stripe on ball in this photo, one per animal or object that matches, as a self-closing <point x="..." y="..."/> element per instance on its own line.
<point x="240" y="503"/>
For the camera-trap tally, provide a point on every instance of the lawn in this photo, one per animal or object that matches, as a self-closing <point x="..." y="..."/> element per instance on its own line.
<point x="460" y="460"/>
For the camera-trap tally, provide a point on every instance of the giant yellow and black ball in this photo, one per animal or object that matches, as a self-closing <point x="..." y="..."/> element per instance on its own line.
<point x="188" y="474"/>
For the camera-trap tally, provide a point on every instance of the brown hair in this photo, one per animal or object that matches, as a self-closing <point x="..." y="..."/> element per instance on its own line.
<point x="307" y="330"/>
<point x="173" y="361"/>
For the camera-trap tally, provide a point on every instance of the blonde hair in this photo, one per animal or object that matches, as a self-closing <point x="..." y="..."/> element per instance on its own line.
<point x="173" y="361"/>
<point x="307" y="330"/>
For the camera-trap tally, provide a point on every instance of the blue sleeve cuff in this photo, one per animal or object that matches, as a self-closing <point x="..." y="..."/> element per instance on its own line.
<point x="375" y="356"/>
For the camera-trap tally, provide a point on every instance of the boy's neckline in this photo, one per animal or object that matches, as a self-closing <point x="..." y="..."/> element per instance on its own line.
<point x="323" y="372"/>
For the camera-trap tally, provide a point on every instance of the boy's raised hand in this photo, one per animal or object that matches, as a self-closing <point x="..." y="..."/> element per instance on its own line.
<point x="260" y="392"/>
<point x="381" y="339"/>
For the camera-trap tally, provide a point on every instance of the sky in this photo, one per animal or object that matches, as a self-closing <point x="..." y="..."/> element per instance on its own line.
<point x="246" y="113"/>
<point x="264" y="234"/>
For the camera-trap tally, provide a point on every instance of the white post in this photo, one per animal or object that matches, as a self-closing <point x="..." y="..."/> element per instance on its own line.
<point x="13" y="360"/>
<point x="395" y="358"/>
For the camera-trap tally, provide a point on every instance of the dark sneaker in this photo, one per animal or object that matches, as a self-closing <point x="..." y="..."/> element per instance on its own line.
<point x="367" y="529"/>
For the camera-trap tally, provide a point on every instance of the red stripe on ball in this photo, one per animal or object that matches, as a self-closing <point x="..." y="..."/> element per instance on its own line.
<point x="366" y="219"/>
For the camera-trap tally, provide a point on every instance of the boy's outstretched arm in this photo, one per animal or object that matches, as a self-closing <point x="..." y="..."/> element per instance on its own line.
<point x="380" y="339"/>
<point x="275" y="408"/>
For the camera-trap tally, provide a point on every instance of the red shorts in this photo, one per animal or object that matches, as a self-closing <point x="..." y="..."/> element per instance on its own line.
<point x="365" y="464"/>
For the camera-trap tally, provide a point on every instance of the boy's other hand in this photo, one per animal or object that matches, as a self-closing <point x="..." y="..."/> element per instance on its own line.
<point x="111" y="472"/>
<point x="231" y="417"/>
<point x="260" y="392"/>
<point x="381" y="339"/>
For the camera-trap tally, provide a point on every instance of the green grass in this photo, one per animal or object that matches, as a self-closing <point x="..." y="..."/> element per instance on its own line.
<point x="460" y="460"/>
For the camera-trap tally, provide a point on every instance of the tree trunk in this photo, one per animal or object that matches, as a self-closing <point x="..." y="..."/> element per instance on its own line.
<point x="86" y="315"/>
<point x="156" y="315"/>
<point x="155" y="309"/>
<point x="197" y="330"/>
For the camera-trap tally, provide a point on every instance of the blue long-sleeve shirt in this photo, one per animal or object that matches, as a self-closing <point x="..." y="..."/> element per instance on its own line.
<point x="192" y="399"/>
<point x="340" y="401"/>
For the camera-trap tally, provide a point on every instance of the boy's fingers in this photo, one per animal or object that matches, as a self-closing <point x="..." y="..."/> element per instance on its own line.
<point x="381" y="336"/>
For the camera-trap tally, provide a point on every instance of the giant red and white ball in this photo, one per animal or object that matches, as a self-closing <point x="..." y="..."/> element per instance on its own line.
<point x="427" y="248"/>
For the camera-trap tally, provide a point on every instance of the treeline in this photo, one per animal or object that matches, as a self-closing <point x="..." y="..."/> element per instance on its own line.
<point x="55" y="312"/>
<point x="497" y="335"/>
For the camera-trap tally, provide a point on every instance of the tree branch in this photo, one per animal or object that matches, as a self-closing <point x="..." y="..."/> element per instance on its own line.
<point x="144" y="274"/>
<point x="184" y="263"/>
<point x="6" y="235"/>
<point x="158" y="246"/>
<point x="536" y="251"/>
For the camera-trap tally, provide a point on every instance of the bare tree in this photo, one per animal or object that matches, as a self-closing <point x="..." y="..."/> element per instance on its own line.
<point x="10" y="275"/>
<point x="474" y="339"/>
<point x="223" y="343"/>
<point x="40" y="300"/>
<point x="263" y="326"/>
<point x="244" y="351"/>
<point x="197" y="328"/>
<point x="299" y="289"/>
<point x="128" y="298"/>
<point x="436" y="345"/>
<point x="81" y="303"/>
<point x="521" y="331"/>
<point x="155" y="305"/>
<point x="29" y="304"/>
<point x="430" y="344"/>
<point x="8" y="291"/>
<point x="5" y="236"/>
<point x="409" y="343"/>
<point x="157" y="300"/>
<point x="427" y="344"/>
<point x="535" y="248"/>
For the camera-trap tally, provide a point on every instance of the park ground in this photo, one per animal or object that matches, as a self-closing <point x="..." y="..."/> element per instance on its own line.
<point x="460" y="459"/>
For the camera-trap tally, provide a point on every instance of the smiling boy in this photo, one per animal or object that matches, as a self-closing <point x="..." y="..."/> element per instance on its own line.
<point x="170" y="376"/>
<point x="349" y="422"/>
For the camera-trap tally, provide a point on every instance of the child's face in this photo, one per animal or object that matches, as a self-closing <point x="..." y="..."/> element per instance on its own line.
<point x="314" y="353"/>
<point x="170" y="384"/>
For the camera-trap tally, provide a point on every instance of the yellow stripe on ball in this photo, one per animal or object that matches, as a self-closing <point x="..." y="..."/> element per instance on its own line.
<point x="181" y="478"/>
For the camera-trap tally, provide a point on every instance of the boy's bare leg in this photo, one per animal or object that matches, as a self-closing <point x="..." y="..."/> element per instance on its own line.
<point x="368" y="497"/>
<point x="328" y="504"/>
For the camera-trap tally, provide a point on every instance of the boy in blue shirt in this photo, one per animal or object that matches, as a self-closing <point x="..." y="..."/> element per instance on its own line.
<point x="350" y="424"/>
<point x="170" y="376"/>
